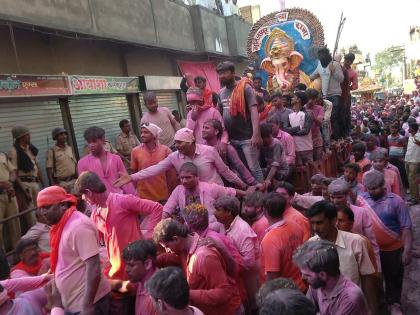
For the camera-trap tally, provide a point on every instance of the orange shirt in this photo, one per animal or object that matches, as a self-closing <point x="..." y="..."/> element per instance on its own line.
<point x="363" y="164"/>
<point x="158" y="187"/>
<point x="293" y="215"/>
<point x="278" y="246"/>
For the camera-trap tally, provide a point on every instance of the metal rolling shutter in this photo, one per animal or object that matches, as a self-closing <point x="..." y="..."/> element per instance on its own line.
<point x="165" y="98"/>
<point x="41" y="117"/>
<point x="101" y="111"/>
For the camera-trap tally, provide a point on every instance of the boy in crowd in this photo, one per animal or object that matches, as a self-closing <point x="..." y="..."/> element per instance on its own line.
<point x="272" y="154"/>
<point x="300" y="128"/>
<point x="106" y="165"/>
<point x="351" y="172"/>
<point x="316" y="185"/>
<point x="358" y="150"/>
<point x="170" y="292"/>
<point x="379" y="163"/>
<point x="285" y="139"/>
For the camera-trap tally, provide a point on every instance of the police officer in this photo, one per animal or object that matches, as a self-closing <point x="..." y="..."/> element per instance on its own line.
<point x="23" y="158"/>
<point x="126" y="141"/>
<point x="61" y="163"/>
<point x="8" y="203"/>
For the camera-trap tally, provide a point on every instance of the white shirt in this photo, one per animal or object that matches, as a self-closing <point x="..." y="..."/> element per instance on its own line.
<point x="209" y="4"/>
<point x="302" y="143"/>
<point x="413" y="150"/>
<point x="227" y="7"/>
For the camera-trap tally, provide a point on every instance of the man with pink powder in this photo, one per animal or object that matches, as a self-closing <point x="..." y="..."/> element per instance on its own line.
<point x="116" y="218"/>
<point x="106" y="165"/>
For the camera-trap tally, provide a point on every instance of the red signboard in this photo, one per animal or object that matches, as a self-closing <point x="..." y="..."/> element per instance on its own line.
<point x="33" y="85"/>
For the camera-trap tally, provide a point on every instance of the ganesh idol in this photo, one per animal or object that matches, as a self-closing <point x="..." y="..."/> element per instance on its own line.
<point x="282" y="64"/>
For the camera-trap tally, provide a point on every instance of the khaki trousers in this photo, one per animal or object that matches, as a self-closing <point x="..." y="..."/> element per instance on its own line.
<point x="33" y="189"/>
<point x="411" y="169"/>
<point x="9" y="208"/>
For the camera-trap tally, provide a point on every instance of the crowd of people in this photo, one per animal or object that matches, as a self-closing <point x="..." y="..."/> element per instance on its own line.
<point x="200" y="215"/>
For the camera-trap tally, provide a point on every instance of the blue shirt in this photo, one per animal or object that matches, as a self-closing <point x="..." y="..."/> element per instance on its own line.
<point x="392" y="211"/>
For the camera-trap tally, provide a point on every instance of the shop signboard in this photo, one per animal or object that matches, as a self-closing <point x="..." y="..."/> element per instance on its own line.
<point x="33" y="85"/>
<point x="86" y="85"/>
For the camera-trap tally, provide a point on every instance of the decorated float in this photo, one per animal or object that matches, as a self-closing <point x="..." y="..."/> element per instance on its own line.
<point x="282" y="49"/>
<point x="367" y="89"/>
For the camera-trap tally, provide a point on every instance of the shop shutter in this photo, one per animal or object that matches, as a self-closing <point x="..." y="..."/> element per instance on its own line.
<point x="165" y="98"/>
<point x="41" y="117"/>
<point x="101" y="111"/>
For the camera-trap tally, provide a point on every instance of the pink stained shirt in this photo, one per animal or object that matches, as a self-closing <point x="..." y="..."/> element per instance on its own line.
<point x="288" y="146"/>
<point x="197" y="125"/>
<point x="114" y="166"/>
<point x="227" y="243"/>
<point x="33" y="300"/>
<point x="391" y="181"/>
<point x="79" y="242"/>
<point x="346" y="298"/>
<point x="119" y="225"/>
<point x="208" y="194"/>
<point x="208" y="161"/>
<point x="245" y="240"/>
<point x="318" y="115"/>
<point x="259" y="227"/>
<point x="144" y="302"/>
<point x="363" y="225"/>
<point x="211" y="289"/>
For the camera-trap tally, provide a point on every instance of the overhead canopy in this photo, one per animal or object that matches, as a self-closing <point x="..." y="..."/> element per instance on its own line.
<point x="367" y="86"/>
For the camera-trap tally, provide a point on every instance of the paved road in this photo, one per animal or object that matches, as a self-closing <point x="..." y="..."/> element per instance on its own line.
<point x="411" y="286"/>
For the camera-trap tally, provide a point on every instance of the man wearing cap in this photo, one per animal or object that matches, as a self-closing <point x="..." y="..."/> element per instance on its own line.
<point x="207" y="159"/>
<point x="23" y="158"/>
<point x="151" y="152"/>
<point x="126" y="141"/>
<point x="201" y="112"/>
<point x="8" y="203"/>
<point x="61" y="163"/>
<point x="393" y="230"/>
<point x="74" y="254"/>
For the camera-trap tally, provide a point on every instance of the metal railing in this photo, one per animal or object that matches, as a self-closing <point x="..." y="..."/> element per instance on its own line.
<point x="16" y="216"/>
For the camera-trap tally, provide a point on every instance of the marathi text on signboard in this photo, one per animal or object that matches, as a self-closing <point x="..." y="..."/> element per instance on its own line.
<point x="82" y="85"/>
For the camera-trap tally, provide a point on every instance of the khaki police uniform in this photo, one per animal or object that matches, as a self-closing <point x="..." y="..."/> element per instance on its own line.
<point x="30" y="181"/>
<point x="125" y="144"/>
<point x="63" y="165"/>
<point x="8" y="205"/>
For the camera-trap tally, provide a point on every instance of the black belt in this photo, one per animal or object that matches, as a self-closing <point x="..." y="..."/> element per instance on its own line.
<point x="28" y="179"/>
<point x="67" y="179"/>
